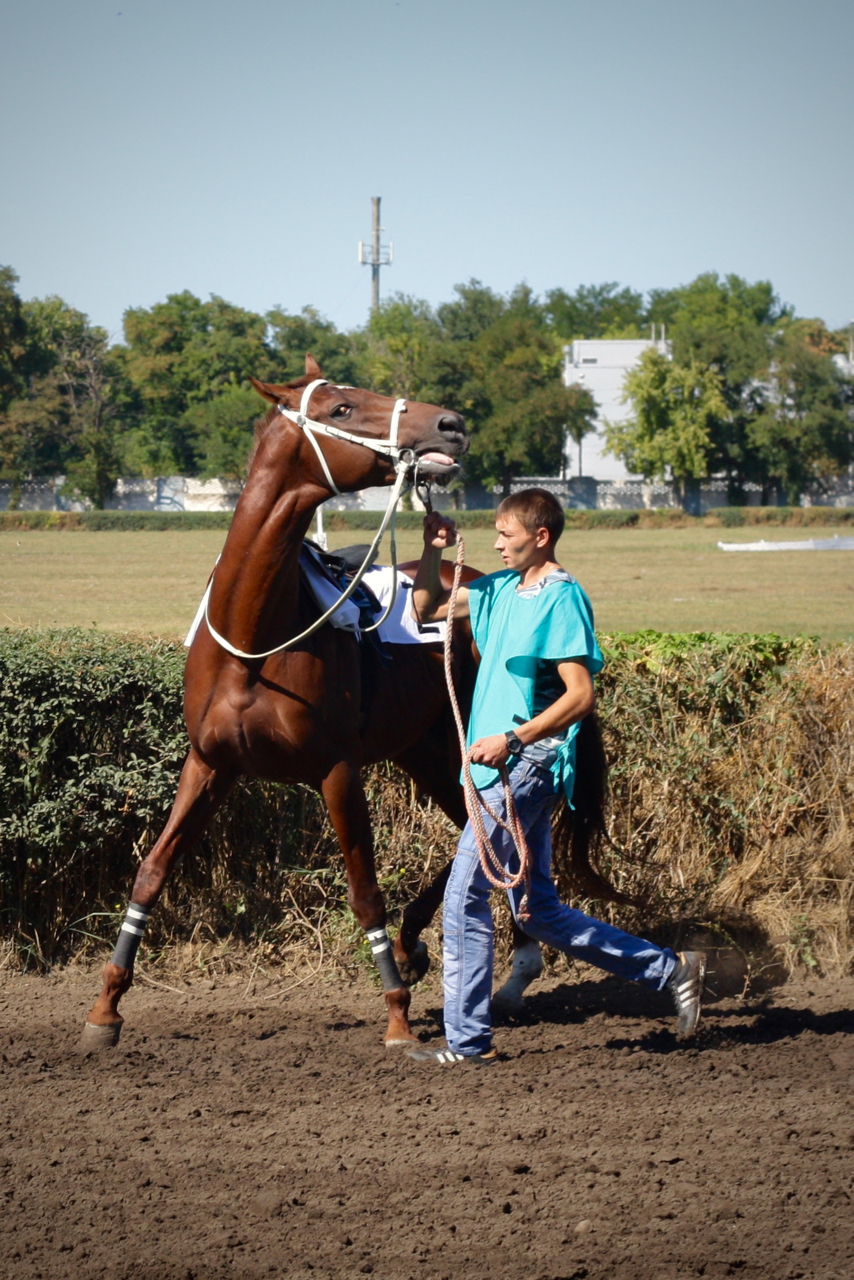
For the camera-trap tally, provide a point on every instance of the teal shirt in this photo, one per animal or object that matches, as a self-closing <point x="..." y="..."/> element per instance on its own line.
<point x="514" y="633"/>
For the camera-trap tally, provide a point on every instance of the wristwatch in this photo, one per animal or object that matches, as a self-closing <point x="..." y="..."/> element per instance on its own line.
<point x="514" y="744"/>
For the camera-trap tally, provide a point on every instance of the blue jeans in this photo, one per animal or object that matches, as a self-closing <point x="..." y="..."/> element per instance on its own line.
<point x="468" y="919"/>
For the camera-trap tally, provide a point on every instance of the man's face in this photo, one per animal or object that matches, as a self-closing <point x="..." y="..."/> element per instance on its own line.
<point x="518" y="548"/>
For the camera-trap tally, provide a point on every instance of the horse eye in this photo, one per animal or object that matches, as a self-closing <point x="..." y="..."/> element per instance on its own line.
<point x="342" y="410"/>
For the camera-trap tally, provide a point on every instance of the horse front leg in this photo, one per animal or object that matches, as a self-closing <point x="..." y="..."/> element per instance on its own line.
<point x="201" y="790"/>
<point x="348" y="811"/>
<point x="410" y="952"/>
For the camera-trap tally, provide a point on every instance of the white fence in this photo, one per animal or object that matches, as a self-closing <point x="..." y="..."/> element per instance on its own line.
<point x="183" y="493"/>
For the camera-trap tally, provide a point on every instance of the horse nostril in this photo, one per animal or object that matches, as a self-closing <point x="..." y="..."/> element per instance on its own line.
<point x="451" y="424"/>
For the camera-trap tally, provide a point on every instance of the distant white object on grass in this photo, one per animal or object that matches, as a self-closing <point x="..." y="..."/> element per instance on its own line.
<point x="811" y="544"/>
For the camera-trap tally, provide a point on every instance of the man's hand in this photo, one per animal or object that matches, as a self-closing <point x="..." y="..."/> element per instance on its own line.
<point x="429" y="598"/>
<point x="439" y="531"/>
<point x="491" y="751"/>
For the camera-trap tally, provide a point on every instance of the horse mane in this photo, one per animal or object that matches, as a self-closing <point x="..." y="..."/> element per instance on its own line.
<point x="262" y="423"/>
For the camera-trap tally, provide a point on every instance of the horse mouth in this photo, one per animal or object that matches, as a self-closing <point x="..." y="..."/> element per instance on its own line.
<point x="439" y="465"/>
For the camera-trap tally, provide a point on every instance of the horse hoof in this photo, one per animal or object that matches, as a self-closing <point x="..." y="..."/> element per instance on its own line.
<point x="509" y="998"/>
<point x="413" y="967"/>
<point x="527" y="967"/>
<point x="94" y="1038"/>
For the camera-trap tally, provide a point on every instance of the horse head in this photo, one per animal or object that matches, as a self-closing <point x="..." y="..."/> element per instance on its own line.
<point x="362" y="438"/>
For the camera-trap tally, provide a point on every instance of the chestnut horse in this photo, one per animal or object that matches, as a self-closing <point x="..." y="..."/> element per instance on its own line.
<point x="316" y="708"/>
<point x="296" y="714"/>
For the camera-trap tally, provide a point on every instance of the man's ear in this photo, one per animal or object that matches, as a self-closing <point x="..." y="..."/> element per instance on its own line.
<point x="543" y="537"/>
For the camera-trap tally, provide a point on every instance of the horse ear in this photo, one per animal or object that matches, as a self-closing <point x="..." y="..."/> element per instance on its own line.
<point x="312" y="368"/>
<point x="272" y="391"/>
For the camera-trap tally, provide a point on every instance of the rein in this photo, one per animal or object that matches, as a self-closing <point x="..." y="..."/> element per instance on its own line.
<point x="490" y="862"/>
<point x="403" y="460"/>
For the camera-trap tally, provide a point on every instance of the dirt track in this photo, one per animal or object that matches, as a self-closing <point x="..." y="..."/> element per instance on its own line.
<point x="241" y="1138"/>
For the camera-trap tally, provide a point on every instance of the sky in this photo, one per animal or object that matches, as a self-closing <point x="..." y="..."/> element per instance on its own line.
<point x="232" y="147"/>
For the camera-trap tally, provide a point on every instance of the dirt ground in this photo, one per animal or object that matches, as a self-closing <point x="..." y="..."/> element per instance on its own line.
<point x="270" y="1134"/>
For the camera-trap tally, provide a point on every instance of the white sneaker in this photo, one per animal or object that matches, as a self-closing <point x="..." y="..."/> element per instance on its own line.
<point x="686" y="985"/>
<point x="448" y="1058"/>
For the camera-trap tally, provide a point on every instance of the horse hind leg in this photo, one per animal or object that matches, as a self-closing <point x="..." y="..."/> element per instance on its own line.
<point x="201" y="790"/>
<point x="434" y="768"/>
<point x="526" y="968"/>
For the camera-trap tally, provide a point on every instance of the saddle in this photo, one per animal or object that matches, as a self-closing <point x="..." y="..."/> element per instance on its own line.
<point x="341" y="567"/>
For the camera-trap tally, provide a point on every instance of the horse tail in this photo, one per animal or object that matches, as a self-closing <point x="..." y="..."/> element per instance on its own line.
<point x="578" y="832"/>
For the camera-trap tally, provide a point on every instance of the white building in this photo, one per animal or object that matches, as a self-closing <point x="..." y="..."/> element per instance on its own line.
<point x="601" y="365"/>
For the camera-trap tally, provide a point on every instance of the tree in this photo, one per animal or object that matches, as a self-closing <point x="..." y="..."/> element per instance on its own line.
<point x="516" y="367"/>
<point x="726" y="325"/>
<point x="224" y="430"/>
<point x="676" y="409"/>
<point x="804" y="431"/>
<point x="408" y="345"/>
<point x="12" y="337"/>
<point x="581" y="415"/>
<point x="398" y="347"/>
<point x="183" y="352"/>
<point x="33" y="431"/>
<point x="63" y="418"/>
<point x="93" y="462"/>
<point x="474" y="309"/>
<point x="291" y="337"/>
<point x="596" y="311"/>
<point x="31" y="424"/>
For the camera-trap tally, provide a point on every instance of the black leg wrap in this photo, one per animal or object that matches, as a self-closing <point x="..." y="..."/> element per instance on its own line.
<point x="130" y="936"/>
<point x="386" y="963"/>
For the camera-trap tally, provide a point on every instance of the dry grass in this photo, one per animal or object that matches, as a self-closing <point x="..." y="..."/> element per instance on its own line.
<point x="795" y="875"/>
<point x="737" y="818"/>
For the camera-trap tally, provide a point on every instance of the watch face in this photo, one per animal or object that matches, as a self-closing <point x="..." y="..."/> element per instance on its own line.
<point x="514" y="746"/>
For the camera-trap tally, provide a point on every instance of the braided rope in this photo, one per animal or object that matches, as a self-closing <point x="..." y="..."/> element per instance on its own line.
<point x="475" y="803"/>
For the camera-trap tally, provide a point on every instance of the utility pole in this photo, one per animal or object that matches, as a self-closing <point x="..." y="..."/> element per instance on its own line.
<point x="376" y="255"/>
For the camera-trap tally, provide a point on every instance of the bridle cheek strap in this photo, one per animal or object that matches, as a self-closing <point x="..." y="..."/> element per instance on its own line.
<point x="390" y="447"/>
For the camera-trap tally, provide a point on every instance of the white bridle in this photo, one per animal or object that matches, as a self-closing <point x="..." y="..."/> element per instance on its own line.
<point x="403" y="461"/>
<point x="313" y="429"/>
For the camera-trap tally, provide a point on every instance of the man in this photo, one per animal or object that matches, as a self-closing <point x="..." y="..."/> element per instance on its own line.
<point x="533" y="627"/>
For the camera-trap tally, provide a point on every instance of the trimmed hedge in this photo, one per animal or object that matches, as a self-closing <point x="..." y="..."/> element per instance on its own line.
<point x="369" y="521"/>
<point x="732" y="789"/>
<point x="113" y="521"/>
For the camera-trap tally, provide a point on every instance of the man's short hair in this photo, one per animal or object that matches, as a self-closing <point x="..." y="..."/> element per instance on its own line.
<point x="534" y="509"/>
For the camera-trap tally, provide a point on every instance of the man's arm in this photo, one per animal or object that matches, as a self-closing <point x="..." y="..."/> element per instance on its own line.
<point x="429" y="597"/>
<point x="573" y="705"/>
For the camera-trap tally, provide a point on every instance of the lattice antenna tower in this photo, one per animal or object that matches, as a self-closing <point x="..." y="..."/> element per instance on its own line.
<point x="376" y="255"/>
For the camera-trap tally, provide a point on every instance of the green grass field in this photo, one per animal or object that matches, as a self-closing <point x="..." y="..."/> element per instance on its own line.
<point x="665" y="579"/>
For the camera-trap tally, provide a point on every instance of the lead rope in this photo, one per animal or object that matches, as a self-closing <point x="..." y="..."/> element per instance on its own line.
<point x="475" y="803"/>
